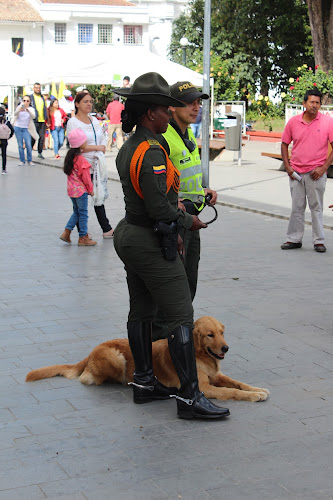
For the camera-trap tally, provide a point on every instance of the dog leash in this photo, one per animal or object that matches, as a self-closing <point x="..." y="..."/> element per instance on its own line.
<point x="207" y="202"/>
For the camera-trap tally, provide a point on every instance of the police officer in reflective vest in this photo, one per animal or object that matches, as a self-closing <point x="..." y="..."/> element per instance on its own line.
<point x="146" y="241"/>
<point x="182" y="148"/>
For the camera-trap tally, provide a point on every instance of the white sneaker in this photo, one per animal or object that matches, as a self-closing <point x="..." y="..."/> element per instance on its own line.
<point x="4" y="172"/>
<point x="31" y="164"/>
<point x="21" y="164"/>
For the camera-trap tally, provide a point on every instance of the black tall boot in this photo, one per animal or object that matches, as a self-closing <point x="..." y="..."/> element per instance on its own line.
<point x="191" y="403"/>
<point x="146" y="387"/>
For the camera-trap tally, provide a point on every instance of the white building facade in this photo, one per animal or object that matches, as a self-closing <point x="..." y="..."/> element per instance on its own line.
<point x="61" y="31"/>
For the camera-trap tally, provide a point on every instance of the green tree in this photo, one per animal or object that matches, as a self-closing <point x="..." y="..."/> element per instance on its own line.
<point x="102" y="95"/>
<point x="321" y="20"/>
<point x="263" y="41"/>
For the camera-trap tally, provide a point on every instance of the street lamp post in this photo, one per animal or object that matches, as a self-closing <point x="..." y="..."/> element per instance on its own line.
<point x="184" y="43"/>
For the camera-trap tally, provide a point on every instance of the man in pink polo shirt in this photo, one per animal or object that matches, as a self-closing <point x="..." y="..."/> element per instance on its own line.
<point x="113" y="112"/>
<point x="310" y="133"/>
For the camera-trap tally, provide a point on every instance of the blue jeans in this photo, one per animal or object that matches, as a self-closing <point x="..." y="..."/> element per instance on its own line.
<point x="196" y="129"/>
<point x="22" y="134"/>
<point x="58" y="135"/>
<point x="79" y="215"/>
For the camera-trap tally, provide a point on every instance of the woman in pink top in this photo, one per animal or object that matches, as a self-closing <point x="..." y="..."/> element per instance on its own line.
<point x="79" y="185"/>
<point x="57" y="118"/>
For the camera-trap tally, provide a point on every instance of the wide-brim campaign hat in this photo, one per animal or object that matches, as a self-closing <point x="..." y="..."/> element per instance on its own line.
<point x="150" y="88"/>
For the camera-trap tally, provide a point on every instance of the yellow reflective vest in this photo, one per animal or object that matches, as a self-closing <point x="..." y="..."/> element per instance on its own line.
<point x="189" y="165"/>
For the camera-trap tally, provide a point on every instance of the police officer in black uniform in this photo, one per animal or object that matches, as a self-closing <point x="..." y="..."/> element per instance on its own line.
<point x="146" y="241"/>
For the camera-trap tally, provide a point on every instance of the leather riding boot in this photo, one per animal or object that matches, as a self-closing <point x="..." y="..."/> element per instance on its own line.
<point x="191" y="403"/>
<point x="146" y="387"/>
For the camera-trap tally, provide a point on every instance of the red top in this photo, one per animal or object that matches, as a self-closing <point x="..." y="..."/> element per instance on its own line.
<point x="114" y="110"/>
<point x="79" y="180"/>
<point x="51" y="118"/>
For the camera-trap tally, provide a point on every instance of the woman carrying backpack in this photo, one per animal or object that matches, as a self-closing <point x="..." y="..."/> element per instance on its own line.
<point x="6" y="132"/>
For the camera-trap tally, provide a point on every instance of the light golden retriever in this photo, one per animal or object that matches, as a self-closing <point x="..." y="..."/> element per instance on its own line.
<point x="112" y="361"/>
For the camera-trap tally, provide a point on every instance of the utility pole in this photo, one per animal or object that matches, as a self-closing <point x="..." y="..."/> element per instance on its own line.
<point x="206" y="90"/>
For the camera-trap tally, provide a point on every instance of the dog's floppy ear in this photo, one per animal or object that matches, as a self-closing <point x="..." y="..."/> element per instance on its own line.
<point x="197" y="337"/>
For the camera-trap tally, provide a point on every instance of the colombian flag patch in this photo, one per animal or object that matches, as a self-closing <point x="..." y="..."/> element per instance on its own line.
<point x="160" y="169"/>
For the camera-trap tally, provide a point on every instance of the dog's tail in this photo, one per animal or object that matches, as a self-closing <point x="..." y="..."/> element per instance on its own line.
<point x="68" y="371"/>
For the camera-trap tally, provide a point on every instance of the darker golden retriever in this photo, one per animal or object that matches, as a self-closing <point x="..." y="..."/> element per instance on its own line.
<point x="112" y="361"/>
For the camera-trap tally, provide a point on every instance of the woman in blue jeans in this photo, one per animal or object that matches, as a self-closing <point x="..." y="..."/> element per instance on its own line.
<point x="57" y="118"/>
<point x="23" y="126"/>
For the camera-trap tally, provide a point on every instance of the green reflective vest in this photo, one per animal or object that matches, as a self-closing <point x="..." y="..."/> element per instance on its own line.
<point x="189" y="166"/>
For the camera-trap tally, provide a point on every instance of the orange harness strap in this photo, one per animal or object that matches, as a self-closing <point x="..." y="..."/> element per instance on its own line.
<point x="173" y="175"/>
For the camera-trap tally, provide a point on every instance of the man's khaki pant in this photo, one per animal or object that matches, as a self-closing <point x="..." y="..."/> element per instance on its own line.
<point x="312" y="191"/>
<point x="115" y="127"/>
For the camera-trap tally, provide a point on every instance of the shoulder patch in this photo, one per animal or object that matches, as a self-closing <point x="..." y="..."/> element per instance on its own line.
<point x="160" y="169"/>
<point x="153" y="144"/>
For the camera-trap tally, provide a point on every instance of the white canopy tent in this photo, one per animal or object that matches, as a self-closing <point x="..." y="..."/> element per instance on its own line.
<point x="86" y="69"/>
<point x="17" y="72"/>
<point x="131" y="61"/>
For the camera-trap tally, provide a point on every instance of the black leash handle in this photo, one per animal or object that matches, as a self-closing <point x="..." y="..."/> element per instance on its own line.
<point x="207" y="202"/>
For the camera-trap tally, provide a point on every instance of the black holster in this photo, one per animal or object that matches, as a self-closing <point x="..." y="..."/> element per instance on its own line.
<point x="168" y="234"/>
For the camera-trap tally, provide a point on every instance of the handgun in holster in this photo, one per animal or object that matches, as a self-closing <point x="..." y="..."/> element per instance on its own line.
<point x="168" y="234"/>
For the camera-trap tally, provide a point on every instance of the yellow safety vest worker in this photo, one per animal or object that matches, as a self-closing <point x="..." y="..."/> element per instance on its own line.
<point x="189" y="166"/>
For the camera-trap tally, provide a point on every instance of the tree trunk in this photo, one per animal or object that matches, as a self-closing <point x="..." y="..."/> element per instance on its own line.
<point x="321" y="22"/>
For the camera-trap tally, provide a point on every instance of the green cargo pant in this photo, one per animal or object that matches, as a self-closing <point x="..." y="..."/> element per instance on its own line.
<point x="191" y="241"/>
<point x="153" y="282"/>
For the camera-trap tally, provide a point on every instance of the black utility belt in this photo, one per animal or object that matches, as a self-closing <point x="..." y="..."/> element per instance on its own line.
<point x="167" y="233"/>
<point x="139" y="220"/>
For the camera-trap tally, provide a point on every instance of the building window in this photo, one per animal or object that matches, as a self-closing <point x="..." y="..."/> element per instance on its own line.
<point x="132" y="35"/>
<point x="60" y="33"/>
<point x="17" y="46"/>
<point x="85" y="33"/>
<point x="105" y="33"/>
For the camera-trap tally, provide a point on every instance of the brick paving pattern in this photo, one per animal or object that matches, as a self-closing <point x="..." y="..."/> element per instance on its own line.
<point x="62" y="440"/>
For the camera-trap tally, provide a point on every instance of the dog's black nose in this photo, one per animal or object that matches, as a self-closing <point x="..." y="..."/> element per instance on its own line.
<point x="225" y="348"/>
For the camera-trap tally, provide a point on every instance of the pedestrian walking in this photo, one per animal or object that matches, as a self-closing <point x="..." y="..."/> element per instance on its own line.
<point x="93" y="151"/>
<point x="57" y="118"/>
<point x="113" y="111"/>
<point x="79" y="186"/>
<point x="310" y="133"/>
<point x="196" y="126"/>
<point x="25" y="129"/>
<point x="146" y="241"/>
<point x="6" y="132"/>
<point x="39" y="105"/>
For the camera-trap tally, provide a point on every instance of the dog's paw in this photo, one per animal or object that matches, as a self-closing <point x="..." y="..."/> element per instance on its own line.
<point x="260" y="389"/>
<point x="265" y="390"/>
<point x="259" y="396"/>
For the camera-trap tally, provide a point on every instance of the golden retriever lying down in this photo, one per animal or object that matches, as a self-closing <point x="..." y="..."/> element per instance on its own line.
<point x="112" y="361"/>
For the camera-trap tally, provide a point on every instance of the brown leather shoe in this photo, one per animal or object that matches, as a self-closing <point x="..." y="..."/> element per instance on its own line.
<point x="66" y="236"/>
<point x="86" y="241"/>
<point x="289" y="245"/>
<point x="320" y="247"/>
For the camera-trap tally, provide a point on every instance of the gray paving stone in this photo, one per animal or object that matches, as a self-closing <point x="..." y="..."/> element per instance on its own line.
<point x="76" y="496"/>
<point x="31" y="474"/>
<point x="250" y="491"/>
<point x="24" y="493"/>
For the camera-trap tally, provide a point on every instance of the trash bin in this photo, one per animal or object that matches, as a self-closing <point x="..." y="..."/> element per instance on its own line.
<point x="232" y="130"/>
